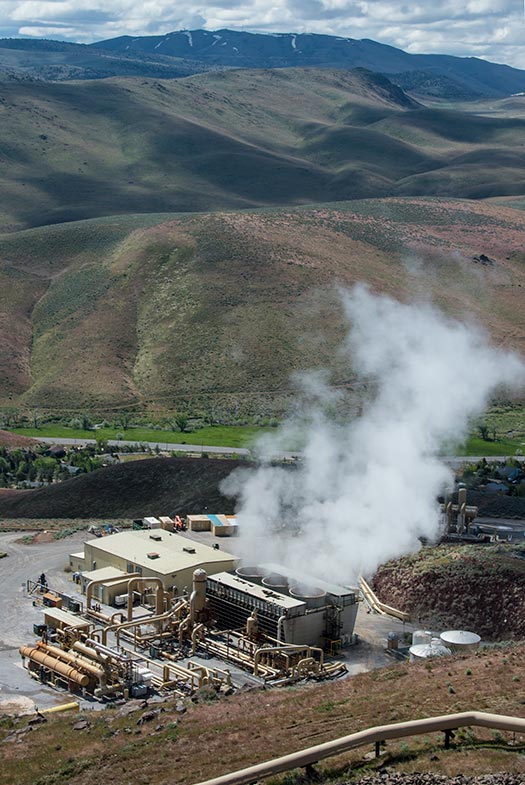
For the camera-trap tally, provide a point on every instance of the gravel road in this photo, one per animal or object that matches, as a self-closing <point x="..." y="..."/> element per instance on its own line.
<point x="17" y="614"/>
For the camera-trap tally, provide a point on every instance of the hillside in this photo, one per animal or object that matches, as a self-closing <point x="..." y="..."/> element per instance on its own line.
<point x="235" y="49"/>
<point x="13" y="440"/>
<point x="56" y="61"/>
<point x="237" y="139"/>
<point x="471" y="587"/>
<point x="190" y="310"/>
<point x="190" y="742"/>
<point x="160" y="486"/>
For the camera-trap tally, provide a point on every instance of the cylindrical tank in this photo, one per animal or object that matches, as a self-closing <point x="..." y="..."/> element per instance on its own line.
<point x="425" y="651"/>
<point x="276" y="581"/>
<point x="55" y="665"/>
<point x="460" y="640"/>
<point x="421" y="636"/>
<point x="312" y="595"/>
<point x="252" y="574"/>
<point x="198" y="595"/>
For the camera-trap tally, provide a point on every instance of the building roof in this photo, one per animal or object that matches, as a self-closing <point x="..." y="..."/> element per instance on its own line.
<point x="63" y="617"/>
<point x="259" y="592"/>
<point x="175" y="553"/>
<point x="104" y="573"/>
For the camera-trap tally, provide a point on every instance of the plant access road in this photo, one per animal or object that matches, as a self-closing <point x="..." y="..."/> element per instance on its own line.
<point x="454" y="461"/>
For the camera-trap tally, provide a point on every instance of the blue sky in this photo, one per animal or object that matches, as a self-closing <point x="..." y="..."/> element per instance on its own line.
<point x="491" y="29"/>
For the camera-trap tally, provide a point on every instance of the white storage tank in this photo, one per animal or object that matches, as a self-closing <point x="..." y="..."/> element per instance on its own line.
<point x="421" y="636"/>
<point x="425" y="651"/>
<point x="460" y="640"/>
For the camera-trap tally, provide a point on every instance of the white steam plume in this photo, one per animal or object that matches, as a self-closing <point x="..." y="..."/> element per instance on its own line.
<point x="365" y="492"/>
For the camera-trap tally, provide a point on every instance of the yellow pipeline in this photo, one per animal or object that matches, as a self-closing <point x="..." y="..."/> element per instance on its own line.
<point x="57" y="666"/>
<point x="398" y="730"/>
<point x="73" y="706"/>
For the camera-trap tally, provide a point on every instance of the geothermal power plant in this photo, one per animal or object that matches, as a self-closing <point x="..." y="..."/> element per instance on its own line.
<point x="154" y="611"/>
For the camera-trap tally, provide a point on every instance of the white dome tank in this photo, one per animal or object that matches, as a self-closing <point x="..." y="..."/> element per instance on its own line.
<point x="421" y="636"/>
<point x="425" y="651"/>
<point x="460" y="640"/>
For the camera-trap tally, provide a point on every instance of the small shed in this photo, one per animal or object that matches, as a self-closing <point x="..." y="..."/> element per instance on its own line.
<point x="151" y="523"/>
<point x="198" y="523"/>
<point x="111" y="585"/>
<point x="57" y="619"/>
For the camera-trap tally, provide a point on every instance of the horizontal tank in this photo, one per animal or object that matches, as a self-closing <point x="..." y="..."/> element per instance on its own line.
<point x="460" y="640"/>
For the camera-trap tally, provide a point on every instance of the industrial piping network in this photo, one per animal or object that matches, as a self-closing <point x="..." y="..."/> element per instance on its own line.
<point x="378" y="606"/>
<point x="376" y="735"/>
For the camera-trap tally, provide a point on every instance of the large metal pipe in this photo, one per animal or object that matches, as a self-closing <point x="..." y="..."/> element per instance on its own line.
<point x="88" y="651"/>
<point x="75" y="660"/>
<point x="53" y="664"/>
<point x="134" y="623"/>
<point x="159" y="595"/>
<point x="105" y="650"/>
<point x="399" y="730"/>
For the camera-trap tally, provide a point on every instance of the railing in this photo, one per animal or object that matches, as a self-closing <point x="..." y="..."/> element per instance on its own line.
<point x="400" y="730"/>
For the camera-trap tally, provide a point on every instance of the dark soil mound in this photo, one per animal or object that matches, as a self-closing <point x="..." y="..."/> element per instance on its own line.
<point x="496" y="505"/>
<point x="157" y="486"/>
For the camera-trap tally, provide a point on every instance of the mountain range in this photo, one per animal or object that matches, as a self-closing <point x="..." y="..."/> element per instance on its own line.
<point x="184" y="52"/>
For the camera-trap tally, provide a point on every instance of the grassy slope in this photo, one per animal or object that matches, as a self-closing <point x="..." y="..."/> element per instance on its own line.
<point x="235" y="139"/>
<point x="226" y="306"/>
<point x="235" y="732"/>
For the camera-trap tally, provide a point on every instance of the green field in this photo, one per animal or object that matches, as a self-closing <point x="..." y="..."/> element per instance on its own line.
<point x="214" y="435"/>
<point x="238" y="436"/>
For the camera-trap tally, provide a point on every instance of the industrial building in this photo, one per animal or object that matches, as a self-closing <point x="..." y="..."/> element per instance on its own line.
<point x="154" y="553"/>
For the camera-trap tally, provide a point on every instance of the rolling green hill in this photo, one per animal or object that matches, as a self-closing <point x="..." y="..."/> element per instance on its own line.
<point x="165" y="310"/>
<point x="237" y="139"/>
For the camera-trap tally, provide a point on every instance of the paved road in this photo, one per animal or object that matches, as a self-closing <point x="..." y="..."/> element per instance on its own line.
<point x="169" y="447"/>
<point x="453" y="461"/>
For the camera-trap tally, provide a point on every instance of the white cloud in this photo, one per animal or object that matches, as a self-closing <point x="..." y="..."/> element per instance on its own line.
<point x="492" y="29"/>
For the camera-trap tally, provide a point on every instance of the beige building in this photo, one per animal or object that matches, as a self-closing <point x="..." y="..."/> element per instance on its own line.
<point x="152" y="554"/>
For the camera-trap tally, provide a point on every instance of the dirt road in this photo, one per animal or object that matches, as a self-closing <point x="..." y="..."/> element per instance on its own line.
<point x="18" y="692"/>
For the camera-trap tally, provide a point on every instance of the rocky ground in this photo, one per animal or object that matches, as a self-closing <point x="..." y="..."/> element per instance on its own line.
<point x="472" y="587"/>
